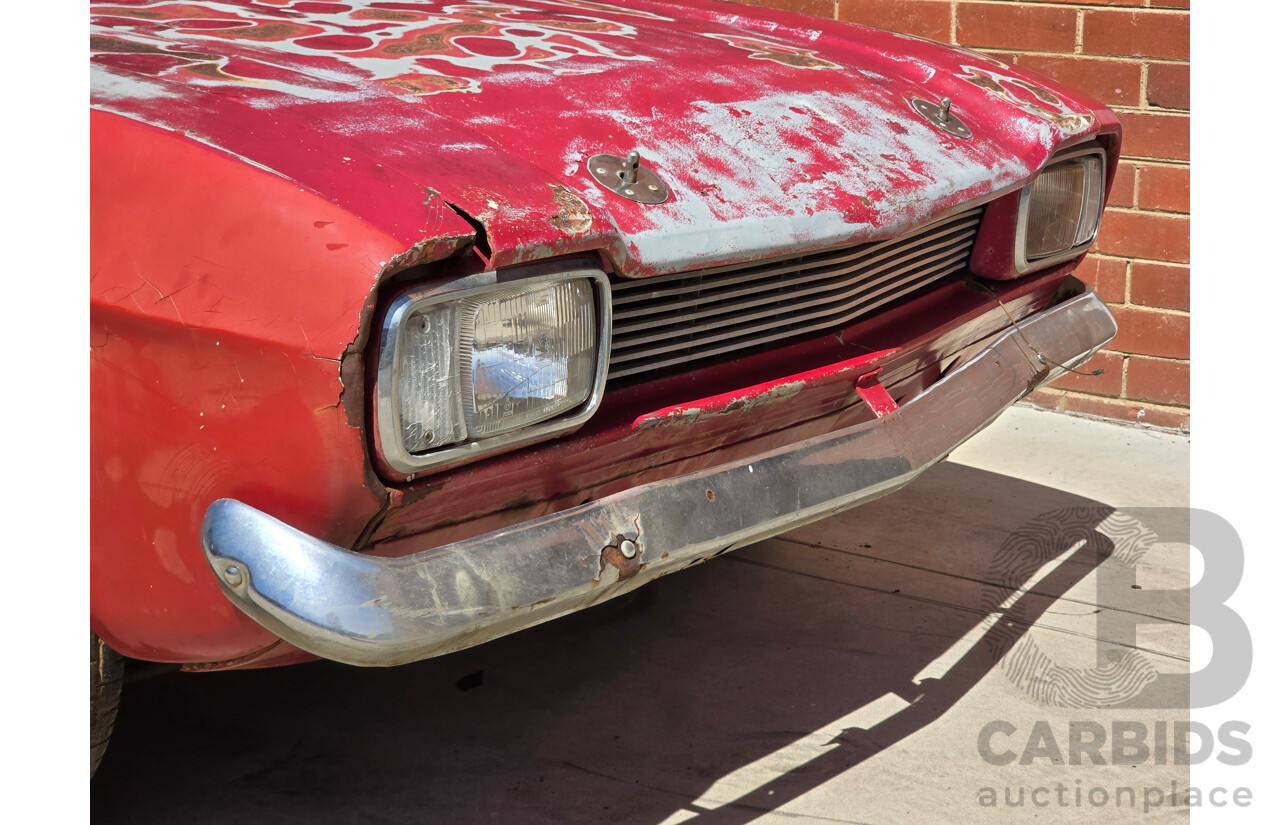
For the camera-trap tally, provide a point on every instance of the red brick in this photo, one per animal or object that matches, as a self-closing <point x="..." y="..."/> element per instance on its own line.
<point x="1091" y="2"/>
<point x="1169" y="85"/>
<point x="1126" y="411"/>
<point x="1013" y="26"/>
<point x="1152" y="332"/>
<point x="1137" y="33"/>
<point x="1114" y="82"/>
<point x="1161" y="285"/>
<point x="1154" y="236"/>
<point x="1158" y="4"/>
<point x="1167" y="188"/>
<point x="1124" y="189"/>
<point x="924" y="18"/>
<point x="1045" y="399"/>
<point x="815" y="8"/>
<point x="1108" y="383"/>
<point x="1107" y="276"/>
<point x="1167" y="137"/>
<point x="1160" y="380"/>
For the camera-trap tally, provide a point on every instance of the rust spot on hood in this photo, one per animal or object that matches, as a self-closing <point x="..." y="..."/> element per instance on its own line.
<point x="573" y="218"/>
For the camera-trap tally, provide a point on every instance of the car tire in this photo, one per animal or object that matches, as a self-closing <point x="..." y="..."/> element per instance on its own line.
<point x="106" y="672"/>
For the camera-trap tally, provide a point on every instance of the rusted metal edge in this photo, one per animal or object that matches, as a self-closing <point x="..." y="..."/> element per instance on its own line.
<point x="366" y="610"/>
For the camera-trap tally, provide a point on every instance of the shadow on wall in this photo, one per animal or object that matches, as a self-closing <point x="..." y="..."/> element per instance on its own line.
<point x="803" y="655"/>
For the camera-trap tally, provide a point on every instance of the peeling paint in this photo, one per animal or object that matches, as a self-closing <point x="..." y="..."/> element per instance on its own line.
<point x="574" y="218"/>
<point x="741" y="401"/>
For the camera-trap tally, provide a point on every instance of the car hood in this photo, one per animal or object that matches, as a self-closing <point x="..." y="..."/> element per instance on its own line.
<point x="774" y="132"/>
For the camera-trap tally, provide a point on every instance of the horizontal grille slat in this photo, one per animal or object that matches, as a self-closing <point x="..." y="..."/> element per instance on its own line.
<point x="674" y="319"/>
<point x="649" y="289"/>
<point x="843" y="287"/>
<point x="619" y="367"/>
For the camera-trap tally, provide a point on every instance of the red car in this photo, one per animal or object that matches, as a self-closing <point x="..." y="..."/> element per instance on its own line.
<point x="418" y="323"/>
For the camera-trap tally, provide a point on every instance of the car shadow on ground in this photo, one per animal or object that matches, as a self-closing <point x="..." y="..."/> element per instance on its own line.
<point x="724" y="691"/>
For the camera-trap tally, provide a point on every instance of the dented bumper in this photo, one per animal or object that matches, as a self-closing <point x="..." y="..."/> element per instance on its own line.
<point x="366" y="610"/>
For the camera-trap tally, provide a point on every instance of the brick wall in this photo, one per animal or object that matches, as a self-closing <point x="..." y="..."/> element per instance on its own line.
<point x="1133" y="55"/>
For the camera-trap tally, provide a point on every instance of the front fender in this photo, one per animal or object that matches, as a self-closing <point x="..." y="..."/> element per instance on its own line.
<point x="223" y="299"/>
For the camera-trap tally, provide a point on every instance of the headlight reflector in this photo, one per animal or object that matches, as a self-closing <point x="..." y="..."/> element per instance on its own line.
<point x="528" y="355"/>
<point x="485" y="363"/>
<point x="1061" y="210"/>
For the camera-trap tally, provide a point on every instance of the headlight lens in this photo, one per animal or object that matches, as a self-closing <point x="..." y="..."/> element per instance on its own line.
<point x="430" y="405"/>
<point x="473" y="370"/>
<point x="1061" y="210"/>
<point x="528" y="355"/>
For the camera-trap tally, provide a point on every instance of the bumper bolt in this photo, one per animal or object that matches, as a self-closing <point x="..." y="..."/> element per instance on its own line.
<point x="232" y="575"/>
<point x="627" y="548"/>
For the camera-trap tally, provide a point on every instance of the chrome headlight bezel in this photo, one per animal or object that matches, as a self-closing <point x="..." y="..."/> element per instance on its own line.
<point x="1025" y="265"/>
<point x="387" y="432"/>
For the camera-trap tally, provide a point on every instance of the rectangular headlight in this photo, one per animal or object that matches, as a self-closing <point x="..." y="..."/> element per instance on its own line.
<point x="466" y="369"/>
<point x="1061" y="210"/>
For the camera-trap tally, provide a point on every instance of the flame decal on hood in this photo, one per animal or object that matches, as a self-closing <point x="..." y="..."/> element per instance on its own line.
<point x="777" y="52"/>
<point x="418" y="51"/>
<point x="1030" y="98"/>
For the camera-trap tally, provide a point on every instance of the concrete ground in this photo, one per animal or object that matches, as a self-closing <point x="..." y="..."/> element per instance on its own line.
<point x="1015" y="602"/>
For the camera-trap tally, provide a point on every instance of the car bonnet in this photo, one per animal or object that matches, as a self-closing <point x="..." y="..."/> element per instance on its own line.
<point x="774" y="132"/>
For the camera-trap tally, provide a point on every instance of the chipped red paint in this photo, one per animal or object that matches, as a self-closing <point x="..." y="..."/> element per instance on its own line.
<point x="739" y="401"/>
<point x="874" y="395"/>
<point x="264" y="171"/>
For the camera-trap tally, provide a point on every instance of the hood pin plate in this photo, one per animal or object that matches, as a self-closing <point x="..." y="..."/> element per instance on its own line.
<point x="939" y="114"/>
<point x="628" y="177"/>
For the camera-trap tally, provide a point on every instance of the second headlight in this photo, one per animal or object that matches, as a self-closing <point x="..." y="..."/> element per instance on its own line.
<point x="1060" y="210"/>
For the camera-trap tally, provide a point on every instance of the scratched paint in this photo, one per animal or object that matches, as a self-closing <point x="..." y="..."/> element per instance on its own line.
<point x="738" y="216"/>
<point x="747" y="398"/>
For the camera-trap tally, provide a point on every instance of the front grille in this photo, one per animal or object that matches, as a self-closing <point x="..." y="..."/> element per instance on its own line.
<point x="675" y="319"/>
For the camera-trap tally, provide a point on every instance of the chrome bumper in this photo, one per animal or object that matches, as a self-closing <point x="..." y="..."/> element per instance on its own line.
<point x="365" y="610"/>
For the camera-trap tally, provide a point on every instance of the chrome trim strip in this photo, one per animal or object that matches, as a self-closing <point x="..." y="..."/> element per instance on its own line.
<point x="368" y="610"/>
<point x="386" y="409"/>
<point x="1020" y="261"/>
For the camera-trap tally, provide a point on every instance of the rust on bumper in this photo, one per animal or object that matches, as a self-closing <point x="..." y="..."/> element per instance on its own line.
<point x="366" y="610"/>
